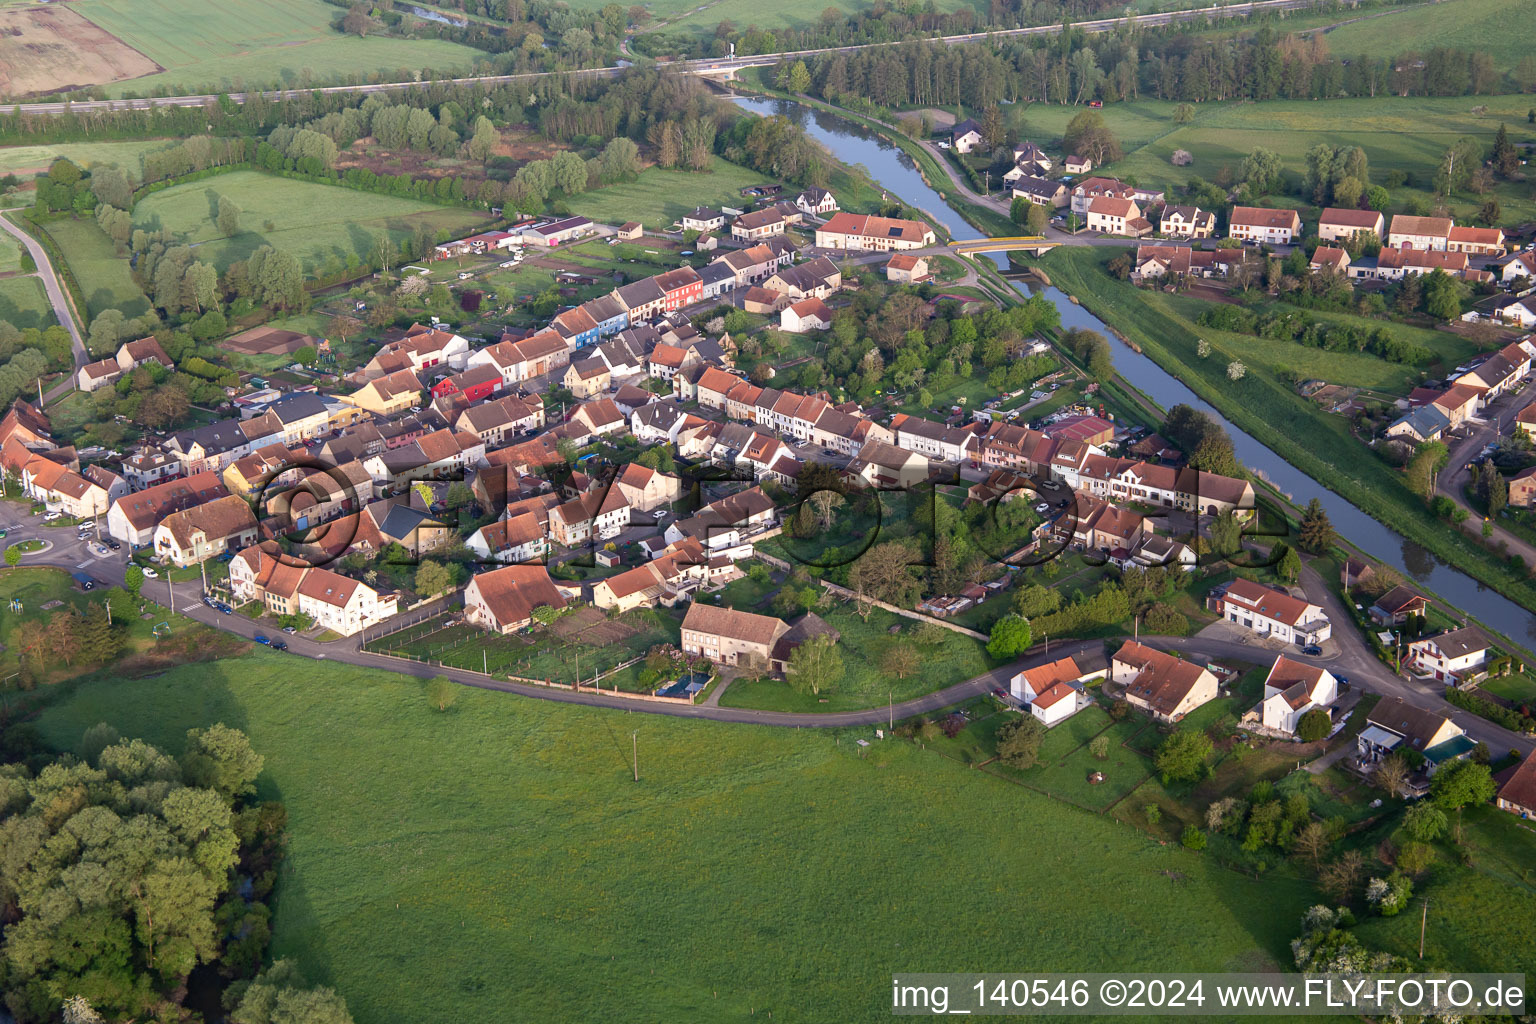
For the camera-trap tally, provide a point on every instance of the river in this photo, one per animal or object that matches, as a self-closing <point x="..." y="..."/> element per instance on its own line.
<point x="895" y="171"/>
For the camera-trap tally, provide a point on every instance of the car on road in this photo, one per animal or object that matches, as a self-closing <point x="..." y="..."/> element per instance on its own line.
<point x="261" y="638"/>
<point x="114" y="545"/>
<point x="150" y="573"/>
<point x="209" y="601"/>
<point x="100" y="550"/>
<point x="223" y="608"/>
<point x="3" y="533"/>
<point x="1341" y="680"/>
<point x="659" y="513"/>
<point x="290" y="629"/>
<point x="279" y="645"/>
<point x="1043" y="507"/>
<point x="1312" y="649"/>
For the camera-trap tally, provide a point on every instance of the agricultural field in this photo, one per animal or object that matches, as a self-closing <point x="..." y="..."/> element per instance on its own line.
<point x="105" y="279"/>
<point x="673" y="16"/>
<point x="658" y="198"/>
<point x="23" y="303"/>
<point x="1397" y="133"/>
<point x="30" y="161"/>
<point x="54" y="49"/>
<point x="863" y="685"/>
<point x="230" y="44"/>
<point x="1499" y="28"/>
<point x="755" y="844"/>
<point x="317" y="223"/>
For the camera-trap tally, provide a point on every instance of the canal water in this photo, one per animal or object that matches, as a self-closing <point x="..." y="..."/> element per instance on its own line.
<point x="895" y="171"/>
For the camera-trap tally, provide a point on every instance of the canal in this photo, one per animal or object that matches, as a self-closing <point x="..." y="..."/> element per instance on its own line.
<point x="895" y="171"/>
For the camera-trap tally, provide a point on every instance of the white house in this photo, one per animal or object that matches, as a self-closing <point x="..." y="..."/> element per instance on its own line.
<point x="1054" y="691"/>
<point x="1261" y="224"/>
<point x="810" y="314"/>
<point x="1451" y="656"/>
<point x="1271" y="613"/>
<point x="1291" y="689"/>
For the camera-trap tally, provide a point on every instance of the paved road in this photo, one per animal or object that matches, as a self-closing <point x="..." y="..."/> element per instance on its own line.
<point x="707" y="67"/>
<point x="1454" y="478"/>
<point x="1354" y="660"/>
<point x="56" y="296"/>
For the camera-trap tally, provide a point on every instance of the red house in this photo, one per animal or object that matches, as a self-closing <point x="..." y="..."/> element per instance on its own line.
<point x="475" y="384"/>
<point x="680" y="287"/>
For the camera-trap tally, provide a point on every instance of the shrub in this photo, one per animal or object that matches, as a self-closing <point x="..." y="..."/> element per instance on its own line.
<point x="1314" y="725"/>
<point x="1193" y="837"/>
<point x="1099" y="747"/>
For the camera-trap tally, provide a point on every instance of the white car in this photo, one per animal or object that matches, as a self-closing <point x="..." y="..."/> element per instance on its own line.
<point x="1042" y="508"/>
<point x="51" y="516"/>
<point x="509" y="263"/>
<point x="150" y="573"/>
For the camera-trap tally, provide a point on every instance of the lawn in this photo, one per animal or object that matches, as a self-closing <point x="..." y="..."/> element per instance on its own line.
<point x="1518" y="687"/>
<point x="508" y="831"/>
<point x="863" y="685"/>
<point x="1498" y="28"/>
<point x="230" y="44"/>
<point x="105" y="279"/>
<point x="10" y="254"/>
<point x="317" y="223"/>
<point x="1397" y="133"/>
<point x="27" y="161"/>
<point x="659" y="198"/>
<point x="1266" y="407"/>
<point x="24" y="303"/>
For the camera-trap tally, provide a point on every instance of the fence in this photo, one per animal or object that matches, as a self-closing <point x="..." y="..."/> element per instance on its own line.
<point x="578" y="687"/>
<point x="906" y="613"/>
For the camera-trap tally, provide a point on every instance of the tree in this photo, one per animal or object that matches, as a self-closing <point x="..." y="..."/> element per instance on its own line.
<point x="815" y="665"/>
<point x="884" y="573"/>
<point x="1288" y="568"/>
<point x="1391" y="774"/>
<point x="1183" y="113"/>
<point x="1312" y="842"/>
<point x="1442" y="295"/>
<point x="1182" y="756"/>
<point x="305" y="355"/>
<point x="1315" y="534"/>
<point x="1425" y="466"/>
<point x="1236" y="370"/>
<point x="358" y="20"/>
<point x="1035" y="600"/>
<point x="1087" y="135"/>
<point x="1424" y="821"/>
<point x="1226" y="533"/>
<point x="1036" y="219"/>
<point x="1495" y="490"/>
<point x="1504" y="157"/>
<point x="482" y="143"/>
<point x="1461" y="783"/>
<point x="826" y="503"/>
<point x="1491" y="212"/>
<point x="1193" y="837"/>
<point x="432" y="578"/>
<point x="441" y="692"/>
<point x="228" y="218"/>
<point x="1388" y="896"/>
<point x="1018" y="742"/>
<point x="280" y="995"/>
<point x="13" y="555"/>
<point x="1313" y="726"/>
<point x="1010" y="637"/>
<point x="1099" y="748"/>
<point x="1261" y="170"/>
<point x="221" y="758"/>
<point x="899" y="660"/>
<point x="1018" y="210"/>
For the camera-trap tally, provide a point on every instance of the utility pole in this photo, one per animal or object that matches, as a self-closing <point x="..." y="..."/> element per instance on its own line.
<point x="484" y="663"/>
<point x="109" y="611"/>
<point x="203" y="565"/>
<point x="890" y="695"/>
<point x="1423" y="924"/>
<point x="634" y="739"/>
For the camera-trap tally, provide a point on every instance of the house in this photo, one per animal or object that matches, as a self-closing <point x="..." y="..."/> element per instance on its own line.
<point x="1040" y="191"/>
<point x="587" y="377"/>
<point x="964" y="136"/>
<point x="1341" y="225"/>
<point x="600" y="514"/>
<point x="1426" y="423"/>
<point x="887" y="467"/>
<point x="598" y="418"/>
<point x="98" y="374"/>
<point x="1074" y="164"/>
<point x="702" y="218"/>
<point x="286" y="587"/>
<point x="680" y="288"/>
<point x="1085" y="191"/>
<point x="1054" y="691"/>
<point x="517" y="539"/>
<point x="1291" y="689"/>
<point x="726" y="636"/>
<point x="1428" y="233"/>
<point x="806" y="315"/>
<point x="133" y="517"/>
<point x="1271" y="613"/>
<point x="1187" y="222"/>
<point x="1396" y="264"/>
<point x="147" y="467"/>
<point x="1092" y="430"/>
<point x="724" y="526"/>
<point x="1497" y="373"/>
<point x="608" y="313"/>
<point x="816" y="201"/>
<point x="758" y="225"/>
<point x="1517" y="794"/>
<point x="1032" y="158"/>
<point x="1454" y="656"/>
<point x="1396" y="606"/>
<point x="525" y="358"/>
<point x="818" y="278"/>
<point x="629" y="231"/>
<point x="1155" y="260"/>
<point x="198" y="533"/>
<point x="499" y="421"/>
<point x="1260" y="224"/>
<point x="934" y="440"/>
<point x="904" y="268"/>
<point x="644" y="299"/>
<point x="1476" y="241"/>
<point x="1459" y="403"/>
<point x="555" y="232"/>
<point x="1394" y="725"/>
<point x="1165" y="687"/>
<point x="421" y="348"/>
<point x="1117" y="217"/>
<point x="677" y="571"/>
<point x="1522" y="488"/>
<point x="389" y="395"/>
<point x="576" y="326"/>
<point x="760" y="300"/>
<point x="647" y="489"/>
<point x="133" y="354"/>
<point x="504" y="600"/>
<point x="1327" y="257"/>
<point x="715" y="279"/>
<point x="475" y="384"/>
<point x="873" y="234"/>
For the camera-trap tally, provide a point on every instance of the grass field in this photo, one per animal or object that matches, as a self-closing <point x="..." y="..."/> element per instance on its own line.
<point x="1397" y="133"/>
<point x="29" y="161"/>
<point x="749" y="871"/>
<point x="10" y="254"/>
<point x="658" y="198"/>
<point x="315" y="222"/>
<point x="1499" y="28"/>
<point x="106" y="282"/>
<point x="230" y="43"/>
<point x="24" y="303"/>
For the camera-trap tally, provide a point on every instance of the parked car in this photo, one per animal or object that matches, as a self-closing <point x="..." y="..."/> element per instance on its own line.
<point x="290" y="629"/>
<point x="209" y="601"/>
<point x="1043" y="507"/>
<point x="150" y="573"/>
<point x="279" y="645"/>
<point x="51" y="516"/>
<point x="224" y="609"/>
<point x="114" y="545"/>
<point x="261" y="638"/>
<point x="1312" y="649"/>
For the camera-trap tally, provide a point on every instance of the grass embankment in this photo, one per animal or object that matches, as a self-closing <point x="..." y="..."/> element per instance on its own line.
<point x="314" y="222"/>
<point x="1264" y="406"/>
<point x="509" y="831"/>
<point x="1408" y="134"/>
<point x="259" y="43"/>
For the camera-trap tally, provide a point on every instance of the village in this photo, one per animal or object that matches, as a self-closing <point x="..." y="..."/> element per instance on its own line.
<point x="609" y="482"/>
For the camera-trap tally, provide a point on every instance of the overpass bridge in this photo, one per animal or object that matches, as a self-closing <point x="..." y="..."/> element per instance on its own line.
<point x="1036" y="245"/>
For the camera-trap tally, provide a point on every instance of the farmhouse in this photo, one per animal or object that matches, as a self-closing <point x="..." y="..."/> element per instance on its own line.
<point x="1476" y="241"/>
<point x="1291" y="689"/>
<point x="1428" y="233"/>
<point x="1089" y="189"/>
<point x="1259" y="224"/>
<point x="1271" y="613"/>
<point x="875" y="234"/>
<point x="284" y="587"/>
<point x="504" y="600"/>
<point x="1166" y="687"/>
<point x="730" y="637"/>
<point x="1338" y="225"/>
<point x="133" y="517"/>
<point x="203" y="531"/>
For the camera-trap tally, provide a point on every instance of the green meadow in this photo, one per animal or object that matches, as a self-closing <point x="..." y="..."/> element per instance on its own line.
<point x="23" y="303"/>
<point x="658" y="198"/>
<point x="105" y="279"/>
<point x="1500" y="28"/>
<point x="228" y="44"/>
<point x="28" y="161"/>
<point x="498" y="862"/>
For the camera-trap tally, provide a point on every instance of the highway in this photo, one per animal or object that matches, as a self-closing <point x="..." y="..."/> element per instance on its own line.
<point x="723" y="66"/>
